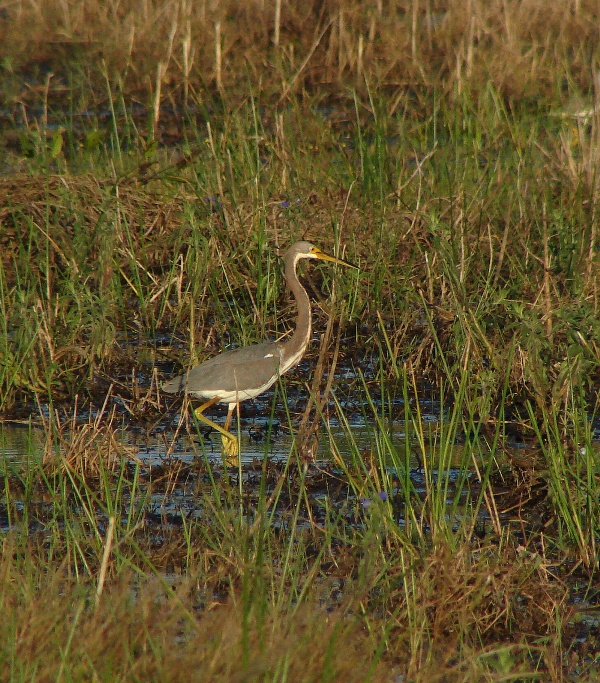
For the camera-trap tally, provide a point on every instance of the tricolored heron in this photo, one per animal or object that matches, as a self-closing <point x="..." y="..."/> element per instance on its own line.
<point x="245" y="373"/>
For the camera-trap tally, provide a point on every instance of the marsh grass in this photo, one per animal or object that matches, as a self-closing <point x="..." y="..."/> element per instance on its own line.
<point x="248" y="584"/>
<point x="418" y="141"/>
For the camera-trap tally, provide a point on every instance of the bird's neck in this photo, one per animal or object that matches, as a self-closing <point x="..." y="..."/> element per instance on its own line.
<point x="294" y="348"/>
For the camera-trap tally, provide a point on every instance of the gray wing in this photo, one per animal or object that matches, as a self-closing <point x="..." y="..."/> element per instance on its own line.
<point x="247" y="368"/>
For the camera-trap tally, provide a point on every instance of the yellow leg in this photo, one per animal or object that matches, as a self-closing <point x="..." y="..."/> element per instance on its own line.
<point x="230" y="443"/>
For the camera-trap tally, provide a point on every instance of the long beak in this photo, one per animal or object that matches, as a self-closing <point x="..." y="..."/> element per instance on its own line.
<point x="317" y="253"/>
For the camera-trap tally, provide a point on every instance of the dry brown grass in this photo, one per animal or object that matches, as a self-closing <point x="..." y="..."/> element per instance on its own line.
<point x="176" y="50"/>
<point x="460" y="616"/>
<point x="86" y="448"/>
<point x="93" y="202"/>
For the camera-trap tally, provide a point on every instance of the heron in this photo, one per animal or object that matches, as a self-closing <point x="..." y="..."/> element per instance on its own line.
<point x="247" y="372"/>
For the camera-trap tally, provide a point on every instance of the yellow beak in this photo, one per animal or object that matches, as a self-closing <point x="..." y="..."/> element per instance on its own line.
<point x="317" y="253"/>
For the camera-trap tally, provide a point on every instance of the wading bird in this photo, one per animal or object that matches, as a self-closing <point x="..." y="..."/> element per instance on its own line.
<point x="245" y="373"/>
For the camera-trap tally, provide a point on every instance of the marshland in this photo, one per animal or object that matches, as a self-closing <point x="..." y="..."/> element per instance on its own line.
<point x="418" y="500"/>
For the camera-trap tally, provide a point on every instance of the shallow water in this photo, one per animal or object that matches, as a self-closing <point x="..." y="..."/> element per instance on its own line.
<point x="260" y="437"/>
<point x="455" y="466"/>
<point x="265" y="442"/>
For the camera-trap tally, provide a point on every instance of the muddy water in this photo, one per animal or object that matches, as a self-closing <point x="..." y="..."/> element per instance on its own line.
<point x="20" y="442"/>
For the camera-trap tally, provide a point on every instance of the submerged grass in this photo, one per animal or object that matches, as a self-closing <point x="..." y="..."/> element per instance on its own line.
<point x="419" y="141"/>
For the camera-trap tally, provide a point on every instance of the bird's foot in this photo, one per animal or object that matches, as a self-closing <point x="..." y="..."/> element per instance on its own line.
<point x="230" y="450"/>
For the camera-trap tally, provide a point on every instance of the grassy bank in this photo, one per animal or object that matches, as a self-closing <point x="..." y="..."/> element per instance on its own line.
<point x="157" y="159"/>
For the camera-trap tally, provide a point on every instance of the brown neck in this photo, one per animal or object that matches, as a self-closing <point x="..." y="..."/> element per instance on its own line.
<point x="294" y="348"/>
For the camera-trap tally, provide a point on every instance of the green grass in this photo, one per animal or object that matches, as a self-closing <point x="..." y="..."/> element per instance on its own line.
<point x="489" y="264"/>
<point x="228" y="590"/>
